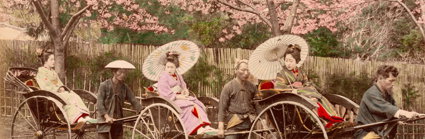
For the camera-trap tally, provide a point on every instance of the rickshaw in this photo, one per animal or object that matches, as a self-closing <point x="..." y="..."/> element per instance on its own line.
<point x="41" y="115"/>
<point x="282" y="114"/>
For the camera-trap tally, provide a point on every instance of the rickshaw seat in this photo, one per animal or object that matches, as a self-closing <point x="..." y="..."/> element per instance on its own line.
<point x="32" y="83"/>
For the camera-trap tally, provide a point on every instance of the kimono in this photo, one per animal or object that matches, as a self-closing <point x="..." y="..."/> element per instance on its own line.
<point x="375" y="106"/>
<point x="110" y="100"/>
<point x="49" y="80"/>
<point x="286" y="77"/>
<point x="193" y="113"/>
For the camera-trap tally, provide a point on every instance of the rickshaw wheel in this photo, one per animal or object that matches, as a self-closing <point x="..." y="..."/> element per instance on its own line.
<point x="35" y="118"/>
<point x="159" y="121"/>
<point x="287" y="119"/>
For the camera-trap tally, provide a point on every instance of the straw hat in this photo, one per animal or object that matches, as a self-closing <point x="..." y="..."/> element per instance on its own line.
<point x="120" y="64"/>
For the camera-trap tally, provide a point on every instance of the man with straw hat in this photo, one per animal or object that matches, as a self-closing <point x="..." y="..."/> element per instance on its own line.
<point x="236" y="105"/>
<point x="110" y="100"/>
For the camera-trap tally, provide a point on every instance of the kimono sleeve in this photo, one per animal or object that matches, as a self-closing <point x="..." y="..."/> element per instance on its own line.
<point x="44" y="82"/>
<point x="183" y="83"/>
<point x="164" y="88"/>
<point x="60" y="84"/>
<point x="378" y="105"/>
<point x="281" y="82"/>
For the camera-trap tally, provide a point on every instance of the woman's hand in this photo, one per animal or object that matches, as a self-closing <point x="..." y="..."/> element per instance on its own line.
<point x="61" y="89"/>
<point x="185" y="92"/>
<point x="182" y="97"/>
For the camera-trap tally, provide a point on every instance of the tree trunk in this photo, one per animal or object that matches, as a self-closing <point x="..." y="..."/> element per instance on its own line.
<point x="57" y="40"/>
<point x="289" y="22"/>
<point x="422" y="7"/>
<point x="273" y="18"/>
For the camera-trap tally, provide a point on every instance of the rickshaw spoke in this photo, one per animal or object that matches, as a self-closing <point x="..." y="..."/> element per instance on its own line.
<point x="284" y="120"/>
<point x="147" y="126"/>
<point x="259" y="135"/>
<point x="293" y="122"/>
<point x="18" y="126"/>
<point x="176" y="136"/>
<point x="159" y="119"/>
<point x="24" y="117"/>
<point x="275" y="122"/>
<point x="311" y="132"/>
<point x="140" y="132"/>
<point x="75" y="136"/>
<point x="154" y="125"/>
<point x="38" y="113"/>
<point x="167" y="123"/>
<point x="48" y="130"/>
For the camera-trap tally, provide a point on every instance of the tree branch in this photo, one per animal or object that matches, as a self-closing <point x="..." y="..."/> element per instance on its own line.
<point x="44" y="18"/>
<point x="70" y="30"/>
<point x="278" y="4"/>
<point x="292" y="15"/>
<point x="412" y="16"/>
<point x="246" y="10"/>
<point x="74" y="18"/>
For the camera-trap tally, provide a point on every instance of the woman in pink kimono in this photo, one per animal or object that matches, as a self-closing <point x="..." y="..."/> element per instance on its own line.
<point x="47" y="79"/>
<point x="172" y="87"/>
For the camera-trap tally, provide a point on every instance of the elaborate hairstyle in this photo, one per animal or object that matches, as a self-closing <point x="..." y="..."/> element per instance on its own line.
<point x="295" y="51"/>
<point x="385" y="71"/>
<point x="43" y="54"/>
<point x="172" y="57"/>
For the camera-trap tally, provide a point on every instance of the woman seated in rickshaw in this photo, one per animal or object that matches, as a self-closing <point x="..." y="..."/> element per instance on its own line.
<point x="291" y="77"/>
<point x="172" y="86"/>
<point x="47" y="79"/>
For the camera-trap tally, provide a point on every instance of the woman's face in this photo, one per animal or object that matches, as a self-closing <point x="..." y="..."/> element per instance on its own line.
<point x="50" y="62"/>
<point x="170" y="68"/>
<point x="290" y="62"/>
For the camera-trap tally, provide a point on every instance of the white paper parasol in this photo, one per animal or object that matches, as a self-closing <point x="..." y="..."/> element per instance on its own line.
<point x="264" y="63"/>
<point x="188" y="52"/>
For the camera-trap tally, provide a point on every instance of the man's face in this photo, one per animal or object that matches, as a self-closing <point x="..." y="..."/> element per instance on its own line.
<point x="242" y="72"/>
<point x="120" y="74"/>
<point x="386" y="84"/>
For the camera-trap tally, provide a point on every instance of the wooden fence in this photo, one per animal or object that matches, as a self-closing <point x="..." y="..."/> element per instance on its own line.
<point x="22" y="53"/>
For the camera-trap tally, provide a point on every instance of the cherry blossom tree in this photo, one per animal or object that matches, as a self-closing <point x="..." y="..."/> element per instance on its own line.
<point x="109" y="13"/>
<point x="281" y="16"/>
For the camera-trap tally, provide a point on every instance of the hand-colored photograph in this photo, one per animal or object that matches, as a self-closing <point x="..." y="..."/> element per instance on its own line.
<point x="212" y="69"/>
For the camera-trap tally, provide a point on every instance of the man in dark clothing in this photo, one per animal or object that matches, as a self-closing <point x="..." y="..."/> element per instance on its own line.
<point x="236" y="102"/>
<point x="378" y="104"/>
<point x="110" y="101"/>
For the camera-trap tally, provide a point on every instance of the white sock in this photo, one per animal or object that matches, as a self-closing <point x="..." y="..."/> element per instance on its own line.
<point x="88" y="118"/>
<point x="81" y="119"/>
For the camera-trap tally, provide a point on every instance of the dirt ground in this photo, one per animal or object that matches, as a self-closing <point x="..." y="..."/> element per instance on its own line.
<point x="5" y="127"/>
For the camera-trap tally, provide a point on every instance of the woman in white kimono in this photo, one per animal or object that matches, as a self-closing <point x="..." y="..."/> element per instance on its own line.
<point x="48" y="80"/>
